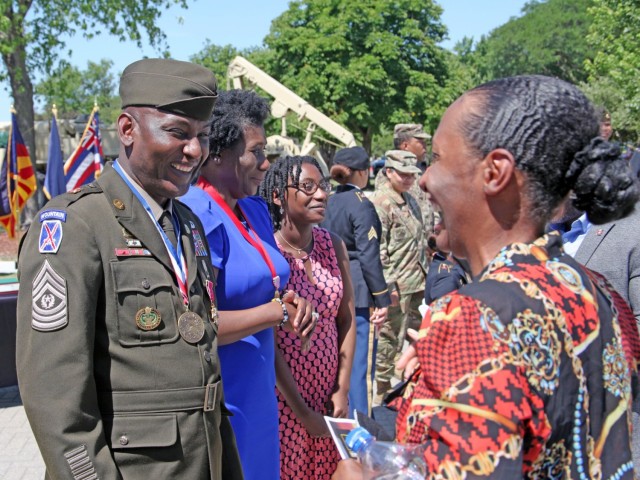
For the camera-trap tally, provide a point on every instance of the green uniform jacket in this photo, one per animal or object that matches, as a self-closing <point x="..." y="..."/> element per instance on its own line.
<point x="106" y="399"/>
<point x="403" y="242"/>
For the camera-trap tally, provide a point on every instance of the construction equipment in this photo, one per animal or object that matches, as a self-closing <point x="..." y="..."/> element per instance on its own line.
<point x="242" y="71"/>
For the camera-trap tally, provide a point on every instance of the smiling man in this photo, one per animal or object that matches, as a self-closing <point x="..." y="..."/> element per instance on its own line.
<point x="117" y="326"/>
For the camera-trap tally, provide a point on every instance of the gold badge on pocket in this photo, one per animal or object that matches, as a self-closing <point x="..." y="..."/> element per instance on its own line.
<point x="148" y="318"/>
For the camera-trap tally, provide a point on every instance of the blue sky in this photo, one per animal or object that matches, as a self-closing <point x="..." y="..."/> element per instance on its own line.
<point x="244" y="23"/>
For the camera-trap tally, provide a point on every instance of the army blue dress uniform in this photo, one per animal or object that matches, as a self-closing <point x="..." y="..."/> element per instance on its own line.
<point x="353" y="218"/>
<point x="119" y="378"/>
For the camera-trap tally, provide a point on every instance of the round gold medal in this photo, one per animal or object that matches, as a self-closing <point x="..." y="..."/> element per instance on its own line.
<point x="148" y="318"/>
<point x="191" y="327"/>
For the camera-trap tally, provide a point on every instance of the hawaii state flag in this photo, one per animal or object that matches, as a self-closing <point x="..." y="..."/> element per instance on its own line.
<point x="18" y="180"/>
<point x="54" y="182"/>
<point x="85" y="163"/>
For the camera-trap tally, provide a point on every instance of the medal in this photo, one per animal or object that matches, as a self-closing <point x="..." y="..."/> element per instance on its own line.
<point x="148" y="318"/>
<point x="191" y="327"/>
<point x="214" y="314"/>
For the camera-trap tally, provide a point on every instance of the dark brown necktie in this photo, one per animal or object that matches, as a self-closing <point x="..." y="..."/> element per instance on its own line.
<point x="167" y="226"/>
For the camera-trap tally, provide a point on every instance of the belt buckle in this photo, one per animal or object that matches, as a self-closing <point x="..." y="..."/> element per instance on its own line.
<point x="210" y="395"/>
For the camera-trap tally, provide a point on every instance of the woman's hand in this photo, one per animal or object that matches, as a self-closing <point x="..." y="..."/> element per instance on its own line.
<point x="340" y="402"/>
<point x="304" y="319"/>
<point x="408" y="361"/>
<point x="314" y="424"/>
<point x="348" y="470"/>
<point x="379" y="316"/>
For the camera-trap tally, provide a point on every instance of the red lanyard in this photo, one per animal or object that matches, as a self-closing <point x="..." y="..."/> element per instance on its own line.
<point x="255" y="242"/>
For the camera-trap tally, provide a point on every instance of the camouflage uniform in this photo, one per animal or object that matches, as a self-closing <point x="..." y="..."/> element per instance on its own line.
<point x="403" y="255"/>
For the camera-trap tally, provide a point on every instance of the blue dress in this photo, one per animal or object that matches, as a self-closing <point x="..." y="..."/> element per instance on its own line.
<point x="248" y="369"/>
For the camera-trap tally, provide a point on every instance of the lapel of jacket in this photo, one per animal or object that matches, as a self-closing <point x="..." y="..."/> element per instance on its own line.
<point x="188" y="247"/>
<point x="591" y="240"/>
<point x="130" y="213"/>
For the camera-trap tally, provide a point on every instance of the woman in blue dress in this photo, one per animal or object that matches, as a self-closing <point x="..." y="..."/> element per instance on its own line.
<point x="250" y="272"/>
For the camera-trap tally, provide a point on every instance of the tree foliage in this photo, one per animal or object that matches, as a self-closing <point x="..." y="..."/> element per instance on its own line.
<point x="74" y="91"/>
<point x="615" y="69"/>
<point x="365" y="64"/>
<point x="548" y="39"/>
<point x="32" y="33"/>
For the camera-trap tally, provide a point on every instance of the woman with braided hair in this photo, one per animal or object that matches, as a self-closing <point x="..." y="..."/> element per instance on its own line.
<point x="526" y="371"/>
<point x="311" y="383"/>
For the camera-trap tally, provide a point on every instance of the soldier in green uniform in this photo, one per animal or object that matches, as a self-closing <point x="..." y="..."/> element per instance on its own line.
<point x="403" y="255"/>
<point x="411" y="137"/>
<point x="117" y="325"/>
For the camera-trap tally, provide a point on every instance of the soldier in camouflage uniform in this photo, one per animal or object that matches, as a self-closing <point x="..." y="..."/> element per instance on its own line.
<point x="403" y="255"/>
<point x="412" y="138"/>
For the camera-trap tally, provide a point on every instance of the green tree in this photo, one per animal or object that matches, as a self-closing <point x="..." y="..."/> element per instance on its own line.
<point x="615" y="69"/>
<point x="216" y="58"/>
<point x="365" y="64"/>
<point x="31" y="33"/>
<point x="548" y="39"/>
<point x="74" y="92"/>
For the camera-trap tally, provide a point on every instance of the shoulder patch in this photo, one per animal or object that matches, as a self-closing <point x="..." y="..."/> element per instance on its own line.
<point x="50" y="236"/>
<point x="49" y="300"/>
<point x="372" y="234"/>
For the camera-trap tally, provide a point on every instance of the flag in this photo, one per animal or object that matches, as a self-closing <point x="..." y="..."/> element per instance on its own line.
<point x="18" y="180"/>
<point x="54" y="182"/>
<point x="85" y="163"/>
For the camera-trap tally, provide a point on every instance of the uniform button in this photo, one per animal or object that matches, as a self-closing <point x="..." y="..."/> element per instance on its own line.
<point x="145" y="284"/>
<point x="192" y="289"/>
<point x="124" y="440"/>
<point x="207" y="356"/>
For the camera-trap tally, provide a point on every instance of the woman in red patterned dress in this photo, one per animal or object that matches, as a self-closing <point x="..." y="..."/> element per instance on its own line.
<point x="312" y="382"/>
<point x="525" y="372"/>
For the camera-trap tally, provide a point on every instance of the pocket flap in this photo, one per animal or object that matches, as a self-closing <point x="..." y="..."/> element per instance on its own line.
<point x="138" y="431"/>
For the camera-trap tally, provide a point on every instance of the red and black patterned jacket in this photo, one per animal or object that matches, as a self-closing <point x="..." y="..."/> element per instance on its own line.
<point x="525" y="373"/>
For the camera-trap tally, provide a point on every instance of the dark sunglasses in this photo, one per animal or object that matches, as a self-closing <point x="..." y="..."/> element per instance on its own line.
<point x="309" y="187"/>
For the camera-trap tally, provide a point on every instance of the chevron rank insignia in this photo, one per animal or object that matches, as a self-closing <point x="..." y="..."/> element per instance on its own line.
<point x="49" y="300"/>
<point x="372" y="234"/>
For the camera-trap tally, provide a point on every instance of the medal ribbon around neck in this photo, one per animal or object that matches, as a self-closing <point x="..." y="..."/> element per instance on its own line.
<point x="176" y="256"/>
<point x="255" y="242"/>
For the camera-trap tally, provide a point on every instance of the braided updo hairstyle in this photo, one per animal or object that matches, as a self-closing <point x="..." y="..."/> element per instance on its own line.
<point x="552" y="130"/>
<point x="276" y="180"/>
<point x="234" y="110"/>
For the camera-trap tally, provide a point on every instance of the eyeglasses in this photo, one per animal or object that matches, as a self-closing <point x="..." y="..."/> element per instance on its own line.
<point x="309" y="187"/>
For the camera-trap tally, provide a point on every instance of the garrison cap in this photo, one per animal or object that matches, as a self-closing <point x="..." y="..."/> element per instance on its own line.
<point x="356" y="158"/>
<point x="410" y="130"/>
<point x="178" y="87"/>
<point x="402" y="161"/>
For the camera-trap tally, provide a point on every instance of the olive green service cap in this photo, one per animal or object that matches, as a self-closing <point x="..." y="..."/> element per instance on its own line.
<point x="402" y="161"/>
<point x="182" y="88"/>
<point x="410" y="130"/>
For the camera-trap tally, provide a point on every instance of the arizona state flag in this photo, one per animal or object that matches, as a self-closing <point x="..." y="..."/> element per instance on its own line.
<point x="18" y="180"/>
<point x="85" y="163"/>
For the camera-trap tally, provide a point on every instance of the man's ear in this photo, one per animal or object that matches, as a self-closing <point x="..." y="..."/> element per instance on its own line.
<point x="126" y="126"/>
<point x="499" y="170"/>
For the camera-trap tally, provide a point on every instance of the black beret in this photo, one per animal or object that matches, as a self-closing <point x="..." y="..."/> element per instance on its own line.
<point x="178" y="87"/>
<point x="356" y="158"/>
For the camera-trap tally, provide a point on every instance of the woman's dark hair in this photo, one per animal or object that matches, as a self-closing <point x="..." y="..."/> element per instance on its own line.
<point x="276" y="180"/>
<point x="340" y="173"/>
<point x="552" y="130"/>
<point x="234" y="110"/>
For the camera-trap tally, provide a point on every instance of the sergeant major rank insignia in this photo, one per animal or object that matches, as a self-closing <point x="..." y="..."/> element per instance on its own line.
<point x="49" y="300"/>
